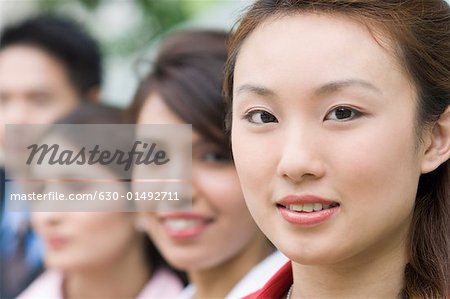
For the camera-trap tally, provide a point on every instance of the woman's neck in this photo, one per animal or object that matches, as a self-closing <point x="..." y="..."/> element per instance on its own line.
<point x="375" y="274"/>
<point x="217" y="282"/>
<point x="122" y="278"/>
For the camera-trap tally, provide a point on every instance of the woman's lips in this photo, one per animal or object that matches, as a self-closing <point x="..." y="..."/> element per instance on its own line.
<point x="184" y="225"/>
<point x="56" y="242"/>
<point x="306" y="209"/>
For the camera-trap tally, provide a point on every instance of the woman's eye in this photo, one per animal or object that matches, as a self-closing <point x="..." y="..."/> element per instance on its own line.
<point x="260" y="117"/>
<point x="342" y="114"/>
<point x="42" y="100"/>
<point x="216" y="157"/>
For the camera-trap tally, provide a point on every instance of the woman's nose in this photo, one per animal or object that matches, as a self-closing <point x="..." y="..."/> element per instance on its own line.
<point x="301" y="156"/>
<point x="48" y="218"/>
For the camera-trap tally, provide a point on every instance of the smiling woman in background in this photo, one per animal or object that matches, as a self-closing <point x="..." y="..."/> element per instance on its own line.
<point x="217" y="243"/>
<point x="350" y="102"/>
<point x="96" y="254"/>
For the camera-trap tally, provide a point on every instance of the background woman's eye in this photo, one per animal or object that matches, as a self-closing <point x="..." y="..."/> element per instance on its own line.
<point x="342" y="113"/>
<point x="260" y="117"/>
<point x="217" y="157"/>
<point x="41" y="99"/>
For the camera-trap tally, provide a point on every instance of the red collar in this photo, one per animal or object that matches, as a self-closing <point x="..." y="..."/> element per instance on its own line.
<point x="277" y="286"/>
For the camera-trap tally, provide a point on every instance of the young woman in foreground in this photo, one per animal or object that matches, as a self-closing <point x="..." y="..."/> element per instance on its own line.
<point x="217" y="243"/>
<point x="350" y="102"/>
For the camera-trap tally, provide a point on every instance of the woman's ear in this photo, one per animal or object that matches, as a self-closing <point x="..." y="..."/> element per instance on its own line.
<point x="438" y="149"/>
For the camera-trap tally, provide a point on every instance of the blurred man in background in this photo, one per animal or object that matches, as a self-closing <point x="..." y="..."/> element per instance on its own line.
<point x="48" y="65"/>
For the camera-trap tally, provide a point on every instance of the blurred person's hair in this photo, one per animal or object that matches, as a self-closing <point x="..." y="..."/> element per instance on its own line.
<point x="188" y="74"/>
<point x="65" y="40"/>
<point x="95" y="114"/>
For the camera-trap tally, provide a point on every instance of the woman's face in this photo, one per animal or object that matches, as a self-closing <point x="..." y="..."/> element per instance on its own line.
<point x="83" y="240"/>
<point x="219" y="226"/>
<point x="323" y="139"/>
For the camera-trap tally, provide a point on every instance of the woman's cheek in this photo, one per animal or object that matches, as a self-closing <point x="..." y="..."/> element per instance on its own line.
<point x="222" y="186"/>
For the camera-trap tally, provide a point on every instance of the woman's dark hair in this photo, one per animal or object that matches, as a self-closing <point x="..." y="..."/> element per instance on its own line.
<point x="188" y="75"/>
<point x="419" y="35"/>
<point x="95" y="114"/>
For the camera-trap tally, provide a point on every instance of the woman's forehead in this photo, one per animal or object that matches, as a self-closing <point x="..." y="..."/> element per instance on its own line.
<point x="314" y="49"/>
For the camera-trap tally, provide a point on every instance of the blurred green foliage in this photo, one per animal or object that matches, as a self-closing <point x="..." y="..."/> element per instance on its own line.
<point x="156" y="17"/>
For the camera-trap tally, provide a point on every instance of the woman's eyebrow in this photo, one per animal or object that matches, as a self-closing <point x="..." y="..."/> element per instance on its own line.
<point x="327" y="88"/>
<point x="336" y="86"/>
<point x="256" y="89"/>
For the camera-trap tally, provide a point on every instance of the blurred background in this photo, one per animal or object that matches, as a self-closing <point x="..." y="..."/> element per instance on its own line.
<point x="128" y="30"/>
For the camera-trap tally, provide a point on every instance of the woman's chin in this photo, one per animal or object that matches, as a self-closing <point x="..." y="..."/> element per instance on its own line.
<point x="312" y="255"/>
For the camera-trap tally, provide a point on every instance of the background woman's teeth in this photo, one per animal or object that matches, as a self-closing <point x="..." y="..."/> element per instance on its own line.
<point x="182" y="223"/>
